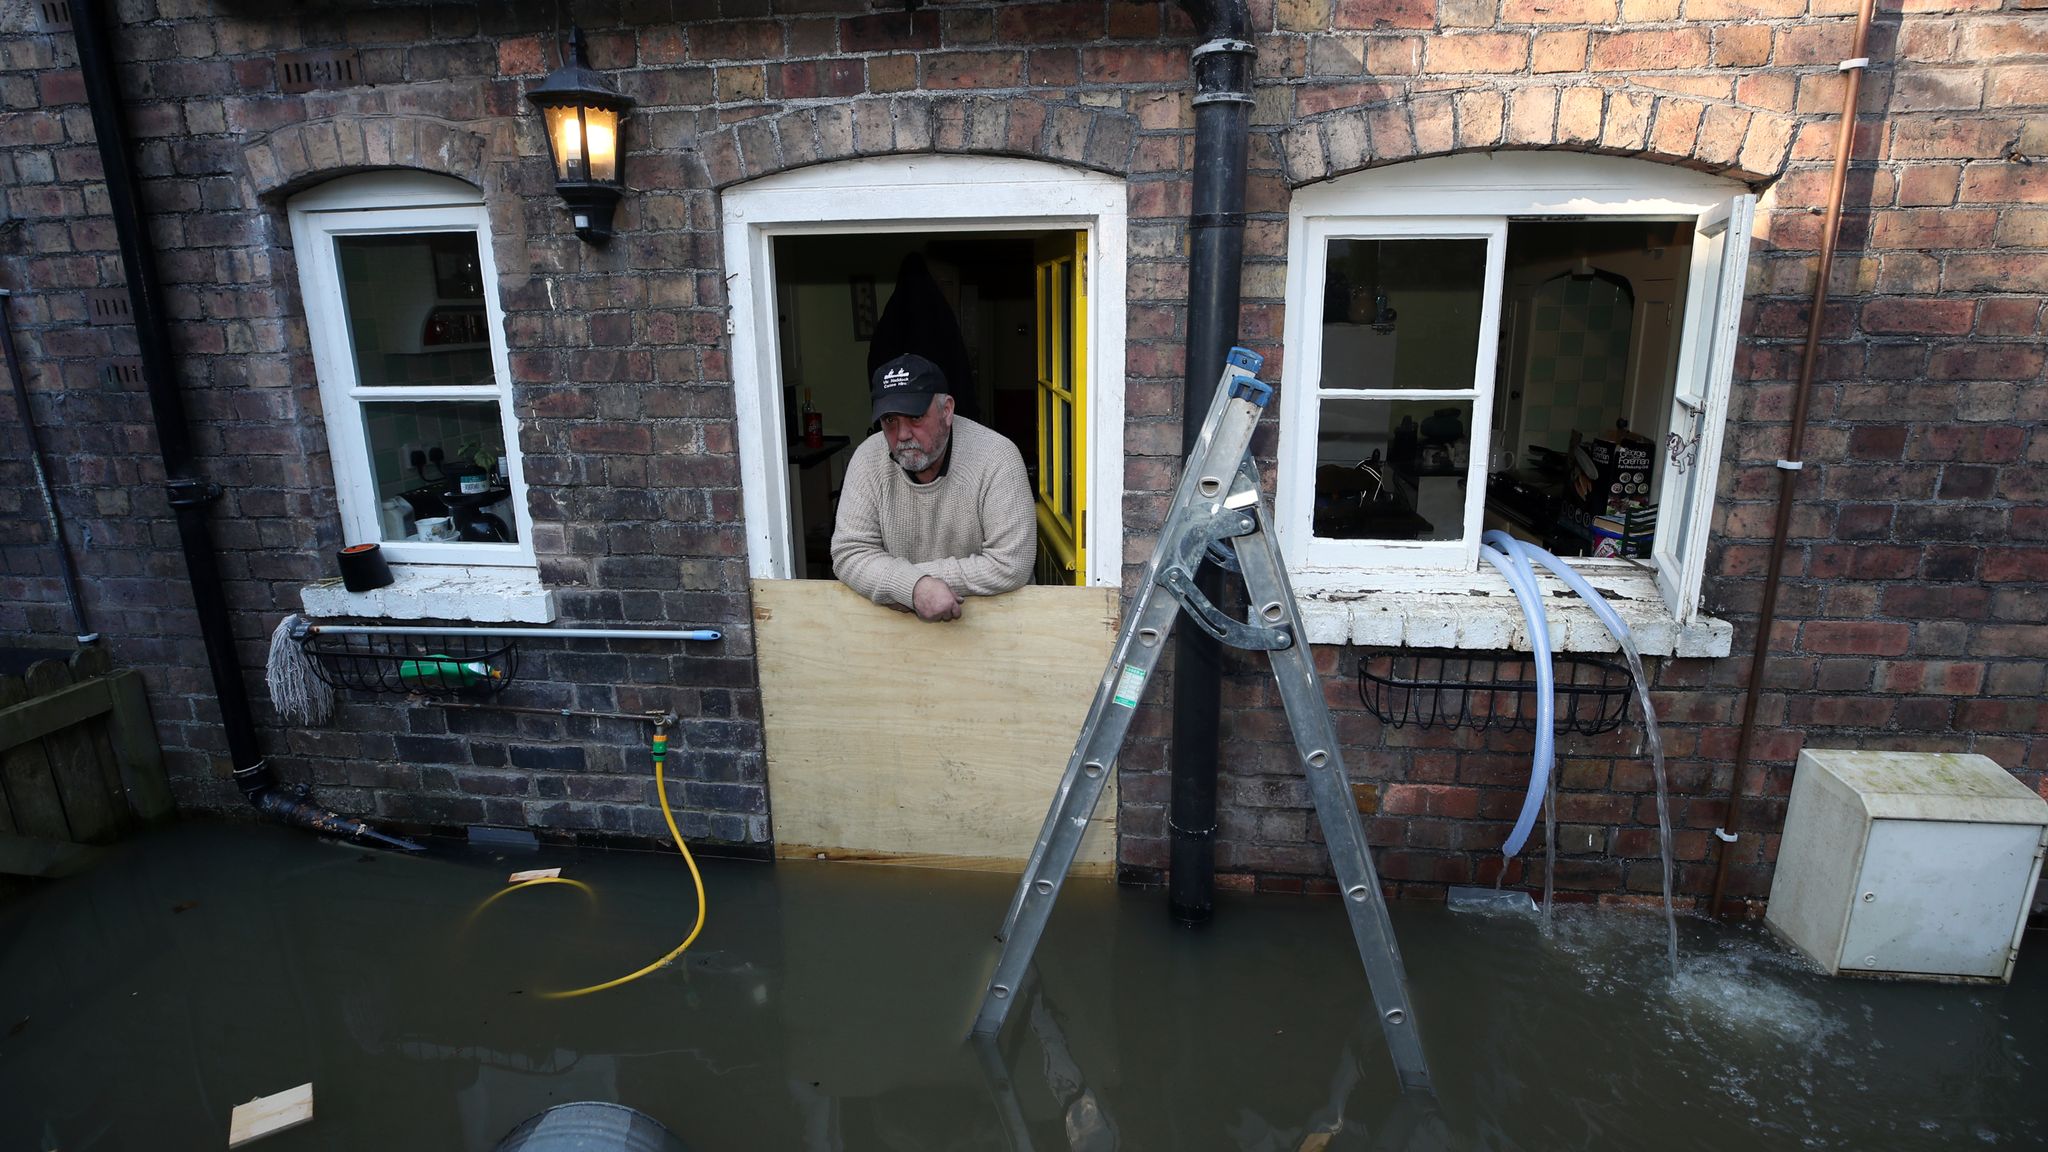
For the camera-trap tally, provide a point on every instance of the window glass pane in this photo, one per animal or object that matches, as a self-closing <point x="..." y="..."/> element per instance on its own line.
<point x="1066" y="326"/>
<point x="1048" y="307"/>
<point x="437" y="470"/>
<point x="415" y="308"/>
<point x="1402" y="313"/>
<point x="1065" y="409"/>
<point x="1392" y="469"/>
<point x="1045" y="443"/>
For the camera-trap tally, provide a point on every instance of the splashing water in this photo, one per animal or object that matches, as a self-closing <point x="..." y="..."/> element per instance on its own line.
<point x="1656" y="742"/>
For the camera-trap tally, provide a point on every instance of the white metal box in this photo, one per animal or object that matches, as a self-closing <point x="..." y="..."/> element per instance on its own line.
<point x="1907" y="864"/>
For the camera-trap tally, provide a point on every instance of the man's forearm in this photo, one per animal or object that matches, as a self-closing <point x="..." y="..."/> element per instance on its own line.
<point x="875" y="574"/>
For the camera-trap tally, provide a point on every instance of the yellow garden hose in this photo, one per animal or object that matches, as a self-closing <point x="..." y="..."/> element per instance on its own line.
<point x="696" y="877"/>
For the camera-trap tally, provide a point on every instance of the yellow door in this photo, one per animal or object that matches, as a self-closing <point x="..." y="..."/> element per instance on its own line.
<point x="1061" y="290"/>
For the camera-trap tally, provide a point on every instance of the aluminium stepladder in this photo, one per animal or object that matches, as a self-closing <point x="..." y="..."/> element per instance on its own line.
<point x="1216" y="505"/>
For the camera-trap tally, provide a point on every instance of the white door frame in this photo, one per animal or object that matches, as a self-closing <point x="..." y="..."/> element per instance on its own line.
<point x="919" y="194"/>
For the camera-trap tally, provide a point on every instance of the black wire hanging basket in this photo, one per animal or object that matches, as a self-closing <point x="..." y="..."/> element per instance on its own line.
<point x="409" y="664"/>
<point x="1491" y="690"/>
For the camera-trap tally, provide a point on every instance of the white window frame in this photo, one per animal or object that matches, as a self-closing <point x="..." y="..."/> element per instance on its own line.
<point x="923" y="194"/>
<point x="1306" y="553"/>
<point x="1386" y="592"/>
<point x="384" y="203"/>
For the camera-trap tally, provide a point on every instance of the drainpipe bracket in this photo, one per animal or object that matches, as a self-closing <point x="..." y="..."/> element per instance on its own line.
<point x="1725" y="836"/>
<point x="1792" y="465"/>
<point x="1854" y="63"/>
<point x="191" y="493"/>
<point x="1224" y="44"/>
<point x="1221" y="98"/>
<point x="1194" y="833"/>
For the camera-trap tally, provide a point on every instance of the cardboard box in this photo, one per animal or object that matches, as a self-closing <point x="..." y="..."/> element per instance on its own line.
<point x="1611" y="475"/>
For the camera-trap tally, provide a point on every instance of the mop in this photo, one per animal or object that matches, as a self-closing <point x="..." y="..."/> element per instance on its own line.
<point x="296" y="691"/>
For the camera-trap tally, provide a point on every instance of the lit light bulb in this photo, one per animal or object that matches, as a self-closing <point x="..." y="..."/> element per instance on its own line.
<point x="604" y="143"/>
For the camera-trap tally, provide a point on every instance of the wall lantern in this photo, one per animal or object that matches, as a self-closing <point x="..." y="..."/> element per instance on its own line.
<point x="584" y="113"/>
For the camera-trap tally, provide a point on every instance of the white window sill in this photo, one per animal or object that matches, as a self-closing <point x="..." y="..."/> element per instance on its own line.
<point x="440" y="592"/>
<point x="1483" y="614"/>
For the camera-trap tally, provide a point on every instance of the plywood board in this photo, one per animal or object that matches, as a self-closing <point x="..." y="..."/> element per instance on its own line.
<point x="266" y="1115"/>
<point x="934" y="744"/>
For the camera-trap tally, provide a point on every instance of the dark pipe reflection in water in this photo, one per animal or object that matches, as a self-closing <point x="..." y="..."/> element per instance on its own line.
<point x="826" y="1007"/>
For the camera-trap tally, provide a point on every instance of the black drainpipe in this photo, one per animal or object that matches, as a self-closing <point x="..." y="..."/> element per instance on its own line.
<point x="1223" y="101"/>
<point x="190" y="495"/>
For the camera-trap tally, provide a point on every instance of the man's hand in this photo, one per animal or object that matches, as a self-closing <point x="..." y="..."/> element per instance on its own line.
<point x="933" y="599"/>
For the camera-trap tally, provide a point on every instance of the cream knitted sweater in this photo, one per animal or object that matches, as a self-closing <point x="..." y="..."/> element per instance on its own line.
<point x="974" y="527"/>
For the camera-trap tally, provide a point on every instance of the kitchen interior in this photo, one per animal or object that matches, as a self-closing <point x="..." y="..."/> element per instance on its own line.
<point x="1584" y="377"/>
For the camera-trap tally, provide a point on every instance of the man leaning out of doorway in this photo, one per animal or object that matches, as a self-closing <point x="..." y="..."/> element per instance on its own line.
<point x="935" y="507"/>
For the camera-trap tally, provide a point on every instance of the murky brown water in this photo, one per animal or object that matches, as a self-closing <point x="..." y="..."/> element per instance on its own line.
<point x="824" y="1006"/>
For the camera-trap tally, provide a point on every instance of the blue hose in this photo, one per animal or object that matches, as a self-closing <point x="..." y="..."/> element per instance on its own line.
<point x="1515" y="567"/>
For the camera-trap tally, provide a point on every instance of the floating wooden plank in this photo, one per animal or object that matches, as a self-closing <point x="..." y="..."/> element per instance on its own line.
<point x="47" y="859"/>
<point x="266" y="1115"/>
<point x="534" y="874"/>
<point x="893" y="739"/>
<point x="95" y="813"/>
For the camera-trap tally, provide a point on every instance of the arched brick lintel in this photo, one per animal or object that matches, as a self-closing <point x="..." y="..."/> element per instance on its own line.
<point x="300" y="155"/>
<point x="1747" y="144"/>
<point x="1101" y="139"/>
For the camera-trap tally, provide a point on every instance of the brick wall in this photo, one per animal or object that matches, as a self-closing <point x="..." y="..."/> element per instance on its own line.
<point x="1913" y="612"/>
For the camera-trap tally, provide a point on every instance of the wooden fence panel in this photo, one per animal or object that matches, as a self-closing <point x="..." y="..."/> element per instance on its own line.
<point x="79" y="761"/>
<point x="25" y="774"/>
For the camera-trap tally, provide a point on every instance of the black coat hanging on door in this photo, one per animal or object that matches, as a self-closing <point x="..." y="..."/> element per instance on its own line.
<point x="918" y="319"/>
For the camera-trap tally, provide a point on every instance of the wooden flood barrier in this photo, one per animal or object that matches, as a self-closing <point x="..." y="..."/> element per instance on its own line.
<point x="79" y="762"/>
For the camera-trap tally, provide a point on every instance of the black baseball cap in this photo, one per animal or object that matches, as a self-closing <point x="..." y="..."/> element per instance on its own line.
<point x="905" y="386"/>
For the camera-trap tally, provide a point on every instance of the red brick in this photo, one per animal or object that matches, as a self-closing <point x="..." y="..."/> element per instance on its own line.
<point x="1929" y="185"/>
<point x="1134" y="65"/>
<point x="1994" y="273"/>
<point x="1946" y="137"/>
<point x="945" y="70"/>
<point x="1558" y="52"/>
<point x="2001" y="565"/>
<point x="521" y="56"/>
<point x="889" y="32"/>
<point x="1049" y="23"/>
<point x="1891" y="316"/>
<point x="1384" y="14"/>
<point x="1650" y="51"/>
<point x="1866" y="638"/>
<point x="1743" y="9"/>
<point x="1314" y="101"/>
<point x="1999" y="39"/>
<point x="1477" y="52"/>
<point x="2009" y="317"/>
<point x="805" y="79"/>
<point x="1744" y="46"/>
<point x="736" y="40"/>
<point x="1927" y="228"/>
<point x="1557" y="12"/>
<point x="2018" y="86"/>
<point x="1985" y="362"/>
<point x="2004" y="183"/>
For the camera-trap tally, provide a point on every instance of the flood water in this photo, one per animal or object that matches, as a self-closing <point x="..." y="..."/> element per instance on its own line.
<point x="824" y="1007"/>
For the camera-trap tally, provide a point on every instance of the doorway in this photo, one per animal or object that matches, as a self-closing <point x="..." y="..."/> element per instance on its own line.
<point x="809" y="252"/>
<point x="1002" y="313"/>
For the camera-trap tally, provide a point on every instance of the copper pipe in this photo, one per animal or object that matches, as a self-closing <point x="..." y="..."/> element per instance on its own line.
<point x="1788" y="468"/>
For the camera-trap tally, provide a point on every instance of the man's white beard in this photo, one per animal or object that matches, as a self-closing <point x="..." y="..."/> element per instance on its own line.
<point x="911" y="458"/>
